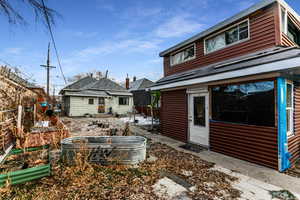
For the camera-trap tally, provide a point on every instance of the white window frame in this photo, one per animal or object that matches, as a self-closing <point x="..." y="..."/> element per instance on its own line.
<point x="128" y="101"/>
<point x="182" y="49"/>
<point x="91" y="99"/>
<point x="285" y="27"/>
<point x="223" y="32"/>
<point x="290" y="132"/>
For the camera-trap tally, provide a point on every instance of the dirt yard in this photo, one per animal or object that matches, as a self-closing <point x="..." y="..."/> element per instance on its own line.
<point x="196" y="177"/>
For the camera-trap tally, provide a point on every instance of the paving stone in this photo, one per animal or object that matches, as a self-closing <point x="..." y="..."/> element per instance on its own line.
<point x="170" y="190"/>
<point x="151" y="159"/>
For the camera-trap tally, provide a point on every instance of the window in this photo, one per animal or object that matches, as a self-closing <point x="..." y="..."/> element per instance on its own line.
<point x="183" y="56"/>
<point x="91" y="101"/>
<point x="289" y="108"/>
<point x="283" y="20"/>
<point x="289" y="28"/>
<point x="231" y="36"/>
<point x="123" y="100"/>
<point x="199" y="111"/>
<point x="101" y="101"/>
<point x="249" y="103"/>
<point x="293" y="32"/>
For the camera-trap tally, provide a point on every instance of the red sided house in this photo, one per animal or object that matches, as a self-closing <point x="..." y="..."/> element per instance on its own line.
<point x="235" y="88"/>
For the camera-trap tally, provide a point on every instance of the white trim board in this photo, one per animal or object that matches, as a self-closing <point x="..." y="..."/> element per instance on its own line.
<point x="259" y="69"/>
<point x="6" y="153"/>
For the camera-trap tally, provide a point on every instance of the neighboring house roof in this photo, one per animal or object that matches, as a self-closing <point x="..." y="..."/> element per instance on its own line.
<point x="105" y="84"/>
<point x="79" y="84"/>
<point x="227" y="22"/>
<point x="140" y="84"/>
<point x="247" y="62"/>
<point x="87" y="93"/>
<point x="89" y="86"/>
<point x="116" y="93"/>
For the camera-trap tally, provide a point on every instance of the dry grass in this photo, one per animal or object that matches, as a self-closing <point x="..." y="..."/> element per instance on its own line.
<point x="86" y="181"/>
<point x="24" y="161"/>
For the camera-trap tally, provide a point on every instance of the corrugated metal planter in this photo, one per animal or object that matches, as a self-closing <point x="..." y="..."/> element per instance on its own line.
<point x="128" y="150"/>
<point x="25" y="175"/>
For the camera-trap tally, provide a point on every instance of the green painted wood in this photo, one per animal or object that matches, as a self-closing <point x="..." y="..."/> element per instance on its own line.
<point x="18" y="151"/>
<point x="25" y="175"/>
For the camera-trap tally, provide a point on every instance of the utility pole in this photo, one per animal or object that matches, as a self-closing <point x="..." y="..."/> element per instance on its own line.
<point x="48" y="67"/>
<point x="54" y="93"/>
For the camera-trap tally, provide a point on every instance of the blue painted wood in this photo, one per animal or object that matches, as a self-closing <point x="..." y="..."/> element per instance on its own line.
<point x="283" y="154"/>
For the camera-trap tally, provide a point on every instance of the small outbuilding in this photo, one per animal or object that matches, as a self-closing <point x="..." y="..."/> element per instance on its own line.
<point x="95" y="96"/>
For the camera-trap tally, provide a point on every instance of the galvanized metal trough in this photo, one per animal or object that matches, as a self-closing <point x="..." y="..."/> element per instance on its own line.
<point x="105" y="150"/>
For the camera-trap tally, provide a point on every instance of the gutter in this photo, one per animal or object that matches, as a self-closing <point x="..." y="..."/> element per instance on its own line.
<point x="258" y="69"/>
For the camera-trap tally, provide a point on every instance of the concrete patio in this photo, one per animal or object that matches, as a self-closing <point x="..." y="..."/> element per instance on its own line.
<point x="255" y="181"/>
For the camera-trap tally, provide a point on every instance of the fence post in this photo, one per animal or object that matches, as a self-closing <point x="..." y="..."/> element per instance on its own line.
<point x="19" y="119"/>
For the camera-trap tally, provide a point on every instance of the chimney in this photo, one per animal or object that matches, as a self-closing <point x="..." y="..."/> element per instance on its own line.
<point x="127" y="82"/>
<point x="134" y="78"/>
<point x="98" y="75"/>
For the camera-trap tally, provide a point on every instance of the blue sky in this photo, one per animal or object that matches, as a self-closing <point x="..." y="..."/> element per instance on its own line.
<point x="116" y="35"/>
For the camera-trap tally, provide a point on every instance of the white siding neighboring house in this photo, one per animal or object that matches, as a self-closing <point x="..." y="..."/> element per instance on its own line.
<point x="91" y="96"/>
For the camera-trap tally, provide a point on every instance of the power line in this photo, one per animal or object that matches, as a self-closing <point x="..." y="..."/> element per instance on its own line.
<point x="53" y="41"/>
<point x="18" y="71"/>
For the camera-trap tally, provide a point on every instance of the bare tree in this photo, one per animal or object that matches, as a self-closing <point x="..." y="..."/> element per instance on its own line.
<point x="41" y="11"/>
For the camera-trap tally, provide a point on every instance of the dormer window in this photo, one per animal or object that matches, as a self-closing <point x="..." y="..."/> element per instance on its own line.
<point x="289" y="28"/>
<point x="235" y="34"/>
<point x="183" y="55"/>
<point x="293" y="33"/>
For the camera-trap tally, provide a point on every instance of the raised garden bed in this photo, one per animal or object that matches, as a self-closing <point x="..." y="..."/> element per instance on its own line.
<point x="23" y="165"/>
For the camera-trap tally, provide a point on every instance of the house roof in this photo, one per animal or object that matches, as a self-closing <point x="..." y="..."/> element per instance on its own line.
<point x="79" y="84"/>
<point x="89" y="93"/>
<point x="140" y="84"/>
<point x="117" y="93"/>
<point x="89" y="86"/>
<point x="239" y="16"/>
<point x="243" y="62"/>
<point x="104" y="84"/>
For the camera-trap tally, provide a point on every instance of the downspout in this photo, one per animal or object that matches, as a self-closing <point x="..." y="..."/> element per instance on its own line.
<point x="283" y="154"/>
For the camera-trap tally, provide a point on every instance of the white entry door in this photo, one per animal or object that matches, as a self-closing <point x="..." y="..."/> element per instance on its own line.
<point x="198" y="119"/>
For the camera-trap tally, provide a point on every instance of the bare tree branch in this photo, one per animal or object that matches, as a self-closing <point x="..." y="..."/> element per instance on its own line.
<point x="14" y="16"/>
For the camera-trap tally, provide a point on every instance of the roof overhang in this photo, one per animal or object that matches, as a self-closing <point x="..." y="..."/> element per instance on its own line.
<point x="119" y="93"/>
<point x="292" y="66"/>
<point x="78" y="94"/>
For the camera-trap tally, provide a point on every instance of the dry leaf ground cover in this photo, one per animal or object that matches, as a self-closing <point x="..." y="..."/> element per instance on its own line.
<point x="85" y="181"/>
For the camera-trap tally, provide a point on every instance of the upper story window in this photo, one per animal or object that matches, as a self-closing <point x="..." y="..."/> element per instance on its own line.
<point x="289" y="28"/>
<point x="230" y="36"/>
<point x="183" y="55"/>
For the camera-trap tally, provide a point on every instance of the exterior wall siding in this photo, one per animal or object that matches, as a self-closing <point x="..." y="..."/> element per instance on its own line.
<point x="174" y="114"/>
<point x="116" y="108"/>
<point x="79" y="106"/>
<point x="294" y="141"/>
<point x="255" y="144"/>
<point x="286" y="41"/>
<point x="262" y="36"/>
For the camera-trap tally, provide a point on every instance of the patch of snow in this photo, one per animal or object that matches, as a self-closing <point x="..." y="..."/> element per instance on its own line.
<point x="151" y="159"/>
<point x="139" y="119"/>
<point x="186" y="173"/>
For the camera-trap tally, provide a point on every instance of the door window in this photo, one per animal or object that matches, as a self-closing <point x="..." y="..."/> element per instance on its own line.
<point x="199" y="111"/>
